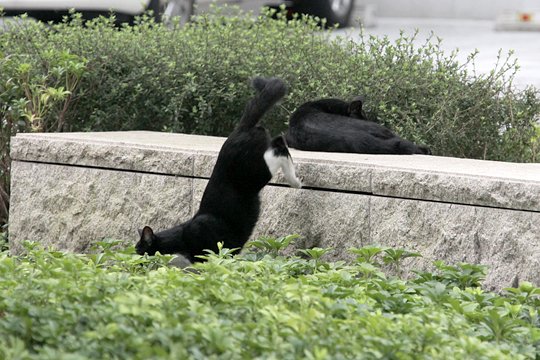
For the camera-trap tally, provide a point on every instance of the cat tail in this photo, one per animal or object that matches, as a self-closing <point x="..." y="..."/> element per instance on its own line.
<point x="269" y="92"/>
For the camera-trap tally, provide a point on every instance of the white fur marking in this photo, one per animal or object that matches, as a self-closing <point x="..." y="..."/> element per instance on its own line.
<point x="272" y="161"/>
<point x="285" y="163"/>
<point x="287" y="167"/>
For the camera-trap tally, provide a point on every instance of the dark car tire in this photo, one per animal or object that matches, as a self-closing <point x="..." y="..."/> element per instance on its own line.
<point x="334" y="11"/>
<point x="183" y="10"/>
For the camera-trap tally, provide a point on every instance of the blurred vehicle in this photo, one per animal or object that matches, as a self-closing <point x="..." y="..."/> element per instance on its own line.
<point x="335" y="11"/>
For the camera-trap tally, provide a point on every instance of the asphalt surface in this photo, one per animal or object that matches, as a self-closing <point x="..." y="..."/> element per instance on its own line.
<point x="468" y="35"/>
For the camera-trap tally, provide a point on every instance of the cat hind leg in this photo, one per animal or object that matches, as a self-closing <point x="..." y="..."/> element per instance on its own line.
<point x="278" y="157"/>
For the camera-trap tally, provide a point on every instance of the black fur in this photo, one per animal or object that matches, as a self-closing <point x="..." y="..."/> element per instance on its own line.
<point x="279" y="145"/>
<point x="230" y="204"/>
<point x="334" y="125"/>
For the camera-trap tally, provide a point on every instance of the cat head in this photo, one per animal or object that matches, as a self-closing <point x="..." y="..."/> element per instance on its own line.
<point x="355" y="108"/>
<point x="147" y="243"/>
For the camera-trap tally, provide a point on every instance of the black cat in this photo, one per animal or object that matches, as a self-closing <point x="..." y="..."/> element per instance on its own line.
<point x="334" y="125"/>
<point x="230" y="204"/>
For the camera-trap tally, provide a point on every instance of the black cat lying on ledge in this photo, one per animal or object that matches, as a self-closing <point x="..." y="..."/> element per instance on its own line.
<point x="230" y="204"/>
<point x="334" y="125"/>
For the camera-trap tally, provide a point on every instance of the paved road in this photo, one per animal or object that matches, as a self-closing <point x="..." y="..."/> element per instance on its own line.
<point x="468" y="35"/>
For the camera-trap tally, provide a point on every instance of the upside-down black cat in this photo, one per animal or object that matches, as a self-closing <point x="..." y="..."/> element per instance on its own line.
<point x="230" y="204"/>
<point x="334" y="125"/>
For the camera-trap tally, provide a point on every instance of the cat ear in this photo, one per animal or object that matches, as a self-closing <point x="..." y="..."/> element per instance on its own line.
<point x="356" y="105"/>
<point x="355" y="108"/>
<point x="147" y="235"/>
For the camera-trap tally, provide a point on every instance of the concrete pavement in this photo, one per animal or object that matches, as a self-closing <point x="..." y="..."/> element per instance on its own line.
<point x="468" y="35"/>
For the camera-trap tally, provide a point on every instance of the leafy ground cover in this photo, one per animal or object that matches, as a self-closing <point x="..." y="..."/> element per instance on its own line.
<point x="114" y="304"/>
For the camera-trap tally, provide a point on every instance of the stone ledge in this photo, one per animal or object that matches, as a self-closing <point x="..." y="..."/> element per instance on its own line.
<point x="442" y="179"/>
<point x="71" y="190"/>
<point x="70" y="208"/>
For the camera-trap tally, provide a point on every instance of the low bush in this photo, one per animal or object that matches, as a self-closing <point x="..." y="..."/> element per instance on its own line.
<point x="114" y="304"/>
<point x="77" y="76"/>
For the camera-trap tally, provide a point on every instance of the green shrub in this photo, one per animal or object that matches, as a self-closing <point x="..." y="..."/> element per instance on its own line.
<point x="114" y="304"/>
<point x="95" y="76"/>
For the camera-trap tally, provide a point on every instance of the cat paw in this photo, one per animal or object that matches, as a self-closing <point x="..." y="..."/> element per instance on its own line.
<point x="296" y="183"/>
<point x="180" y="261"/>
<point x="424" y="150"/>
<point x="274" y="86"/>
<point x="259" y="83"/>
